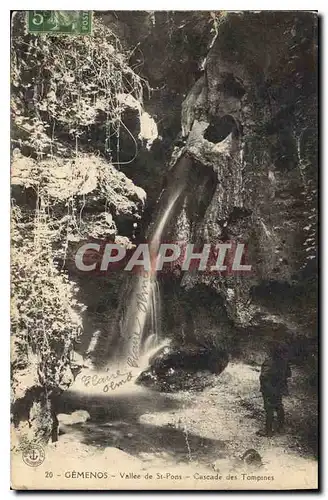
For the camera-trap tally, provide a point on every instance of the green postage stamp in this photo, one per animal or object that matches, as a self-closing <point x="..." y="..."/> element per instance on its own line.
<point x="73" y="22"/>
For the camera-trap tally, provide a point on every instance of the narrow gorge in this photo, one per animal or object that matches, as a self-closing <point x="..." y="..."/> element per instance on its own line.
<point x="175" y="126"/>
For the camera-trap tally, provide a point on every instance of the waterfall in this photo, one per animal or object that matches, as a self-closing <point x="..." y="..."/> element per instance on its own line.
<point x="141" y="324"/>
<point x="143" y="307"/>
<point x="154" y="336"/>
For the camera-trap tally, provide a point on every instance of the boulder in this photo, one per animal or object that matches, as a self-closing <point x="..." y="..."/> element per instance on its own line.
<point x="77" y="417"/>
<point x="185" y="367"/>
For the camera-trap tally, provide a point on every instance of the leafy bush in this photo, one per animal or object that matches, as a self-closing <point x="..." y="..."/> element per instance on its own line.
<point x="65" y="92"/>
<point x="44" y="311"/>
<point x="65" y="85"/>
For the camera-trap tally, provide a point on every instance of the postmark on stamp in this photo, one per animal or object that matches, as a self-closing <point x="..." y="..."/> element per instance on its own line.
<point x="70" y="22"/>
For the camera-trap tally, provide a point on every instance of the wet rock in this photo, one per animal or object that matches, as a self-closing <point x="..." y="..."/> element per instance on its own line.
<point x="185" y="367"/>
<point x="77" y="417"/>
<point x="261" y="199"/>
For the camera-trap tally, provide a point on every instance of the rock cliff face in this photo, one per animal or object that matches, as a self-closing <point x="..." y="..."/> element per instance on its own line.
<point x="62" y="195"/>
<point x="251" y="119"/>
<point x="235" y="93"/>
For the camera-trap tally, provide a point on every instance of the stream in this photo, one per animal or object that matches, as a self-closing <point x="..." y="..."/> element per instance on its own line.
<point x="188" y="433"/>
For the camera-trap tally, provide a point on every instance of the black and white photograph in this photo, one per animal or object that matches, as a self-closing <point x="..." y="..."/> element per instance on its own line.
<point x="164" y="250"/>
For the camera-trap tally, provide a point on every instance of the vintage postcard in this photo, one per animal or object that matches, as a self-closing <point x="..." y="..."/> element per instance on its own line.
<point x="164" y="190"/>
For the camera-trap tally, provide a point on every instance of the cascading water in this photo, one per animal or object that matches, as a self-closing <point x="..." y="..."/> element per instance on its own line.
<point x="155" y="318"/>
<point x="153" y="321"/>
<point x="137" y="328"/>
<point x="141" y="325"/>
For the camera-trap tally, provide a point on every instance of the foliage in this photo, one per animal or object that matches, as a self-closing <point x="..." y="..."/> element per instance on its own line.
<point x="44" y="315"/>
<point x="311" y="209"/>
<point x="66" y="91"/>
<point x="66" y="85"/>
<point x="217" y="18"/>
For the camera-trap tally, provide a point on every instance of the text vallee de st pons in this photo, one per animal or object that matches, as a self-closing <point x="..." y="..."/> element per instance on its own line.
<point x="165" y="476"/>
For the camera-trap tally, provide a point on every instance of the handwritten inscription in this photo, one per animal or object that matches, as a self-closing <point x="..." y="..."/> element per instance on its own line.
<point x="112" y="381"/>
<point x="109" y="382"/>
<point x="135" y="338"/>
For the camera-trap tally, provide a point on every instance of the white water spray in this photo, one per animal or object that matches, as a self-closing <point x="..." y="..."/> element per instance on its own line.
<point x="140" y="320"/>
<point x="141" y="325"/>
<point x="144" y="306"/>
